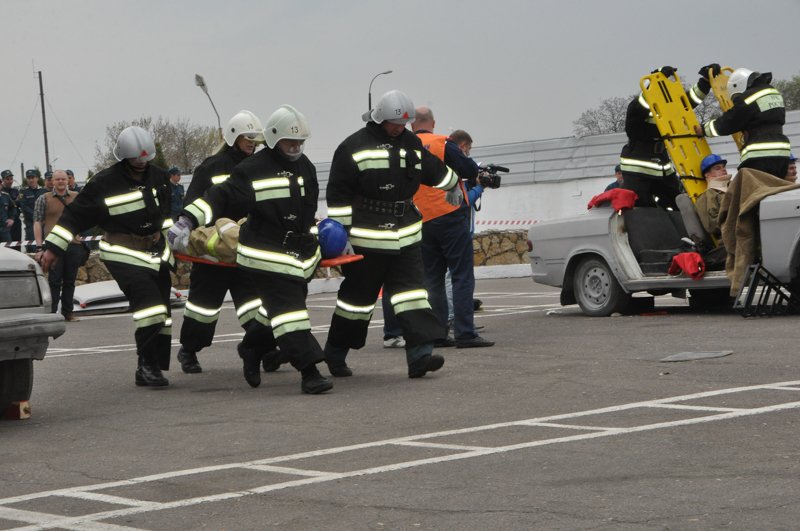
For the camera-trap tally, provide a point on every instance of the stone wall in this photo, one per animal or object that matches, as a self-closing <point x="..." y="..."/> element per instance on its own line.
<point x="490" y="248"/>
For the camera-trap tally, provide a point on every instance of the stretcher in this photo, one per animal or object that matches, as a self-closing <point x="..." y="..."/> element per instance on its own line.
<point x="676" y="121"/>
<point x="719" y="85"/>
<point x="327" y="262"/>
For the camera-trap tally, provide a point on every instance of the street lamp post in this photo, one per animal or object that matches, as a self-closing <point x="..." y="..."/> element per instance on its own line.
<point x="200" y="82"/>
<point x="369" y="92"/>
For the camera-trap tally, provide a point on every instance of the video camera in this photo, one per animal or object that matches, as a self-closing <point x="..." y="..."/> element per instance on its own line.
<point x="488" y="177"/>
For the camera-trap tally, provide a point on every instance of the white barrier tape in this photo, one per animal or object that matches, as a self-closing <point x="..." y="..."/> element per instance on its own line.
<point x="33" y="242"/>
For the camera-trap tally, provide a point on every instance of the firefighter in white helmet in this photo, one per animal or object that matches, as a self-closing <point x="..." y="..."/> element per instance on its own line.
<point x="130" y="201"/>
<point x="208" y="284"/>
<point x="758" y="111"/>
<point x="374" y="175"/>
<point x="277" y="189"/>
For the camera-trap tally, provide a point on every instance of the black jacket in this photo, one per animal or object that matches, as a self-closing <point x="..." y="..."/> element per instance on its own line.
<point x="118" y="203"/>
<point x="760" y="114"/>
<point x="373" y="179"/>
<point x="214" y="170"/>
<point x="279" y="198"/>
<point x="645" y="154"/>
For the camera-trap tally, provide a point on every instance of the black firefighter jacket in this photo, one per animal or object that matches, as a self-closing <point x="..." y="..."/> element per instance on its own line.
<point x="373" y="179"/>
<point x="137" y="211"/>
<point x="280" y="199"/>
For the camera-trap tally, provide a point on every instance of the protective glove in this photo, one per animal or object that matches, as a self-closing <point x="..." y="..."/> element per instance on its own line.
<point x="454" y="196"/>
<point x="348" y="249"/>
<point x="666" y="70"/>
<point x="178" y="234"/>
<point x="715" y="70"/>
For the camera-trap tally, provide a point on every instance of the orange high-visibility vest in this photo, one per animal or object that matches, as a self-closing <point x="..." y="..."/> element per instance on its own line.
<point x="429" y="200"/>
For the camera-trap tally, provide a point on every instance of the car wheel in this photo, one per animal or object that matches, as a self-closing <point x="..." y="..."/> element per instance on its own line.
<point x="597" y="291"/>
<point x="16" y="381"/>
<point x="710" y="299"/>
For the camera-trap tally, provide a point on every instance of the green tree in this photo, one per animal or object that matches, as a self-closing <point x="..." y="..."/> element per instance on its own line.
<point x="791" y="92"/>
<point x="160" y="160"/>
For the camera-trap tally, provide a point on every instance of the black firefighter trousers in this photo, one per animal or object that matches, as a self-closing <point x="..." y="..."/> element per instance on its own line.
<point x="285" y="301"/>
<point x="148" y="293"/>
<point x="403" y="279"/>
<point x="208" y="285"/>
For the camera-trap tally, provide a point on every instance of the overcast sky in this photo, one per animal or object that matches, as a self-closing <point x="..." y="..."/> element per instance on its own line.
<point x="505" y="71"/>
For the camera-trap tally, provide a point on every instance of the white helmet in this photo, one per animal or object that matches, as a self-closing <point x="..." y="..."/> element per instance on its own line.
<point x="243" y="123"/>
<point x="135" y="143"/>
<point x="286" y="122"/>
<point x="394" y="107"/>
<point x="738" y="81"/>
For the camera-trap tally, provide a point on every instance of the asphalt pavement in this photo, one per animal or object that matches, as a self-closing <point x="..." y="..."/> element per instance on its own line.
<point x="569" y="422"/>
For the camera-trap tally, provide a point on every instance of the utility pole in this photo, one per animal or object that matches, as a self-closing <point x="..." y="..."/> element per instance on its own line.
<point x="200" y="82"/>
<point x="369" y="91"/>
<point x="44" y="126"/>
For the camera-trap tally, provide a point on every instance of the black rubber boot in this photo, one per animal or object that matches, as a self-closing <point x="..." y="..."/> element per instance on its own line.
<point x="313" y="382"/>
<point x="188" y="361"/>
<point x="148" y="374"/>
<point x="251" y="365"/>
<point x="334" y="358"/>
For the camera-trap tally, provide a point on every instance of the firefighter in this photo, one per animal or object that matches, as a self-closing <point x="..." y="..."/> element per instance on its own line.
<point x="644" y="161"/>
<point x="277" y="188"/>
<point x="208" y="284"/>
<point x="130" y="201"/>
<point x="759" y="113"/>
<point x="374" y="175"/>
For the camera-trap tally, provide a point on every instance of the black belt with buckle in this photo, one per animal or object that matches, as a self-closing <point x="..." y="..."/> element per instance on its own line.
<point x="395" y="208"/>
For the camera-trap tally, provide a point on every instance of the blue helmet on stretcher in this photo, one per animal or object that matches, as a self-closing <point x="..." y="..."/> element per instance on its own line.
<point x="332" y="238"/>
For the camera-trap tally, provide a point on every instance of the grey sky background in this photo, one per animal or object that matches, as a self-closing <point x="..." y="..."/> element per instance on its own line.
<point x="505" y="71"/>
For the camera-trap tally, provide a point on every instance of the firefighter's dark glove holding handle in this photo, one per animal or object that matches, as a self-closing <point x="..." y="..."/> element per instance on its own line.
<point x="668" y="71"/>
<point x="715" y="71"/>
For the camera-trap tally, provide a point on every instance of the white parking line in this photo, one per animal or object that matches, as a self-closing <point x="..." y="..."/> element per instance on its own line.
<point x="40" y="520"/>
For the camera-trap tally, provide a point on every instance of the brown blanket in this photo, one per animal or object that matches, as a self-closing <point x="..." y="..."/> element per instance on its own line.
<point x="738" y="219"/>
<point x="217" y="243"/>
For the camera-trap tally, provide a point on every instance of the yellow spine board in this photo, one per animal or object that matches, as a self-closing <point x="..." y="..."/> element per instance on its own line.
<point x="676" y="120"/>
<point x="719" y="85"/>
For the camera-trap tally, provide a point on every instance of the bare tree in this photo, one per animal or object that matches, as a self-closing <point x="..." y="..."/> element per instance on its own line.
<point x="609" y="117"/>
<point x="180" y="143"/>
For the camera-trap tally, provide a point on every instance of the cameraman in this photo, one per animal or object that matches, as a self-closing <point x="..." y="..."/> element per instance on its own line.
<point x="446" y="235"/>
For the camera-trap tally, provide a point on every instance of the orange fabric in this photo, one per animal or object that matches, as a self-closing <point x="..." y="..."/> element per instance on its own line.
<point x="430" y="201"/>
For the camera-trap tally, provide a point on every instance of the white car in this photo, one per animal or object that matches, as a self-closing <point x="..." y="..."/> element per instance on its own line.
<point x="601" y="258"/>
<point x="26" y="324"/>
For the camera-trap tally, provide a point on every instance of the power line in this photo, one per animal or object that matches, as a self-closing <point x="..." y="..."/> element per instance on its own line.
<point x="64" y="129"/>
<point x="27" y="127"/>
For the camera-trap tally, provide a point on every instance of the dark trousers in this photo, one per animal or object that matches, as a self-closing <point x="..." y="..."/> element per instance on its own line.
<point x="61" y="278"/>
<point x="665" y="188"/>
<point x="148" y="293"/>
<point x="447" y="244"/>
<point x="391" y="326"/>
<point x="400" y="275"/>
<point x="5" y="234"/>
<point x="208" y="285"/>
<point x="16" y="231"/>
<point x="777" y="166"/>
<point x="285" y="301"/>
<point x="29" y="234"/>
